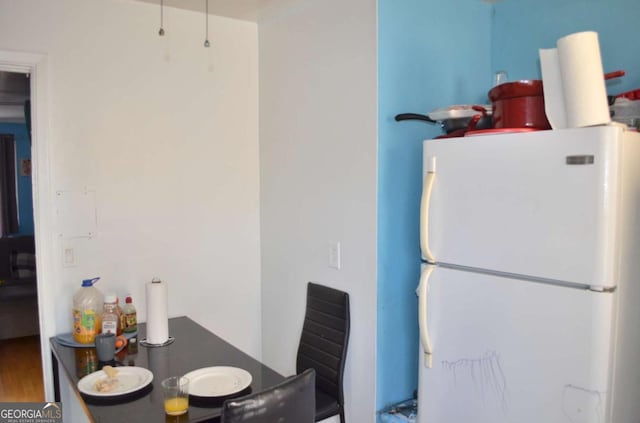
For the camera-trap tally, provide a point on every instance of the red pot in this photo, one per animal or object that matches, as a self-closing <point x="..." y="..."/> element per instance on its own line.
<point x="519" y="104"/>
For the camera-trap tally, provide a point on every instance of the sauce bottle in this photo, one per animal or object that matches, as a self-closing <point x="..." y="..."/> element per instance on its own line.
<point x="110" y="317"/>
<point x="130" y="316"/>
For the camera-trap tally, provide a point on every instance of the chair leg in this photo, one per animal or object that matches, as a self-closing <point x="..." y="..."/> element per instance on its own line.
<point x="342" y="415"/>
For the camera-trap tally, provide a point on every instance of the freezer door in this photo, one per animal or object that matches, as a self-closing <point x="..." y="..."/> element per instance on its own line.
<point x="542" y="204"/>
<point x="506" y="350"/>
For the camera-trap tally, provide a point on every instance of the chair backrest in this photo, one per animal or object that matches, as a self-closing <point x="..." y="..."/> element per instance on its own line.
<point x="292" y="401"/>
<point x="324" y="339"/>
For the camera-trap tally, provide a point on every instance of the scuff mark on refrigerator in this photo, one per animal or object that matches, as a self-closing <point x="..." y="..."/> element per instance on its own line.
<point x="484" y="373"/>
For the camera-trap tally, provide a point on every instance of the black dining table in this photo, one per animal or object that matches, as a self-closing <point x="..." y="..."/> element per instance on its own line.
<point x="194" y="348"/>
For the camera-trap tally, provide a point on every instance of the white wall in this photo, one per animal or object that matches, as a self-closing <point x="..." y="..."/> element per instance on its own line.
<point x="318" y="146"/>
<point x="165" y="132"/>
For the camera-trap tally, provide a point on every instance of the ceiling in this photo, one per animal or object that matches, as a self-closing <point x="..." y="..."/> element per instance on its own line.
<point x="246" y="10"/>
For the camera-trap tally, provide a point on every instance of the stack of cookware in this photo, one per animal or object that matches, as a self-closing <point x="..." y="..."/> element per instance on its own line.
<point x="515" y="106"/>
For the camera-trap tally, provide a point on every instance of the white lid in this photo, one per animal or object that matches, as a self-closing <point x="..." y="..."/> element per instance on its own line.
<point x="110" y="298"/>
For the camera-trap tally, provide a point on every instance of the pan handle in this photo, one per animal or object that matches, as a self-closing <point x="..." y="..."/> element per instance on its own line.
<point x="480" y="109"/>
<point x="414" y="116"/>
<point x="614" y="74"/>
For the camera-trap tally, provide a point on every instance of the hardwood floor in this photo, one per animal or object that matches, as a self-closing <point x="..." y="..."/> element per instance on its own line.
<point x="21" y="370"/>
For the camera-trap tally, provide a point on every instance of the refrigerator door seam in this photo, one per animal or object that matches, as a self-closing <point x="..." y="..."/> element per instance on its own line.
<point x="600" y="289"/>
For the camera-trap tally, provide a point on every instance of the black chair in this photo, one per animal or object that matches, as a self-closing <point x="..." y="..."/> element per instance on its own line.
<point x="292" y="401"/>
<point x="323" y="346"/>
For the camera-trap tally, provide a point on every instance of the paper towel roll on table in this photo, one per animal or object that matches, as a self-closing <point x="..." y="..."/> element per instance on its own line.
<point x="158" y="360"/>
<point x="575" y="94"/>
<point x="157" y="312"/>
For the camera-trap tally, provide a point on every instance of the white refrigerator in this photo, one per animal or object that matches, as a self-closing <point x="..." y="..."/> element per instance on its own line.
<point x="529" y="298"/>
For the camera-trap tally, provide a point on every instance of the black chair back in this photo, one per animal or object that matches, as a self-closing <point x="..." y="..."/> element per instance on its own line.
<point x="292" y="401"/>
<point x="323" y="346"/>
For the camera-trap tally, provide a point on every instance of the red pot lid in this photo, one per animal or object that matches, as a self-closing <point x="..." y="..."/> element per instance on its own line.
<point x="525" y="88"/>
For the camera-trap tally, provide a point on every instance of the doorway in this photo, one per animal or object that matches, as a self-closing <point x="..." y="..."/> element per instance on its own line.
<point x="35" y="64"/>
<point x="21" y="378"/>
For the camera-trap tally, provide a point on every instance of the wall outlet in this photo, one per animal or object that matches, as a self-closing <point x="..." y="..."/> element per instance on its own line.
<point x="335" y="259"/>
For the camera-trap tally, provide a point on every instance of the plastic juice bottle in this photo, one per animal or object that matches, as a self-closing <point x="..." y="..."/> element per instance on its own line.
<point x="130" y="316"/>
<point x="110" y="317"/>
<point x="87" y="312"/>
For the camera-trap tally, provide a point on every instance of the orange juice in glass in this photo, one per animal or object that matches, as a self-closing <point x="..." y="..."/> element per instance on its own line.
<point x="176" y="395"/>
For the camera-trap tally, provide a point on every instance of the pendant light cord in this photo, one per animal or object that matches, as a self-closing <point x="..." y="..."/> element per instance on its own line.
<point x="206" y="40"/>
<point x="161" y="31"/>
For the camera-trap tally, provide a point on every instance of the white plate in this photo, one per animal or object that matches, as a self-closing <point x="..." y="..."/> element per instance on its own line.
<point x="131" y="379"/>
<point x="217" y="381"/>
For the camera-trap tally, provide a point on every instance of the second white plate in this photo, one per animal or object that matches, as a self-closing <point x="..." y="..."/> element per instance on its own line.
<point x="217" y="381"/>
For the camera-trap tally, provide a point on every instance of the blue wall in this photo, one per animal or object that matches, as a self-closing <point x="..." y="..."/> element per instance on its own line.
<point x="522" y="27"/>
<point x="431" y="54"/>
<point x="25" y="198"/>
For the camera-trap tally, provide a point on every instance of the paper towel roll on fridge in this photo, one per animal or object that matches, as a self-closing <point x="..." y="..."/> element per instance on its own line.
<point x="157" y="312"/>
<point x="575" y="94"/>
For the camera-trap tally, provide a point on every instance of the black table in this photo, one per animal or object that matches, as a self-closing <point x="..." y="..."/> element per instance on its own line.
<point x="194" y="347"/>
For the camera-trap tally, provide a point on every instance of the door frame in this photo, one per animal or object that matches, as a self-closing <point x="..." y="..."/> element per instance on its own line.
<point x="36" y="66"/>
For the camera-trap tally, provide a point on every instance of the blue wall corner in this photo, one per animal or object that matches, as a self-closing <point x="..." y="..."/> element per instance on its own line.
<point x="430" y="55"/>
<point x="25" y="197"/>
<point x="434" y="54"/>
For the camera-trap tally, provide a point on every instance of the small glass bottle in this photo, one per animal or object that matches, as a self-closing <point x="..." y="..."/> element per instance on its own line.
<point x="110" y="318"/>
<point x="120" y="316"/>
<point x="132" y="351"/>
<point x="130" y="316"/>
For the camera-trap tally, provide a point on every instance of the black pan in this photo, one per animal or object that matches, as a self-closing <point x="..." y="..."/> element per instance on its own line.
<point x="480" y="121"/>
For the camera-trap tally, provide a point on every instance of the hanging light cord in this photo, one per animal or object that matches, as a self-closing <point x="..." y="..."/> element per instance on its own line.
<point x="206" y="40"/>
<point x="161" y="31"/>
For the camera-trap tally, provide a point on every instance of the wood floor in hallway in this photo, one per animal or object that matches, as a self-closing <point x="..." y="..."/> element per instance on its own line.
<point x="21" y="370"/>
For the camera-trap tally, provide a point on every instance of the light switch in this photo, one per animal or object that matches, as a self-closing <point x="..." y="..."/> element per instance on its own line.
<point x="335" y="258"/>
<point x="69" y="257"/>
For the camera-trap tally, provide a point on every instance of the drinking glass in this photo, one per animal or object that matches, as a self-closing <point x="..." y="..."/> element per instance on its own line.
<point x="176" y="395"/>
<point x="500" y="77"/>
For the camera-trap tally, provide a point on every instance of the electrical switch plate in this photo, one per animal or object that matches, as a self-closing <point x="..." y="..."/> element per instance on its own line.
<point x="69" y="258"/>
<point x="335" y="258"/>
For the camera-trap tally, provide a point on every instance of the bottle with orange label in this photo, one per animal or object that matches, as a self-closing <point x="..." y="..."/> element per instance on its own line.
<point x="87" y="312"/>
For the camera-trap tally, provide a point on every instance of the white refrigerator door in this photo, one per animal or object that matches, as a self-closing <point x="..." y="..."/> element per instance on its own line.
<point x="542" y="204"/>
<point x="506" y="350"/>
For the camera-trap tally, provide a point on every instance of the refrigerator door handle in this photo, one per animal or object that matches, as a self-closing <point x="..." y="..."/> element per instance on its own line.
<point x="425" y="202"/>
<point x="423" y="323"/>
